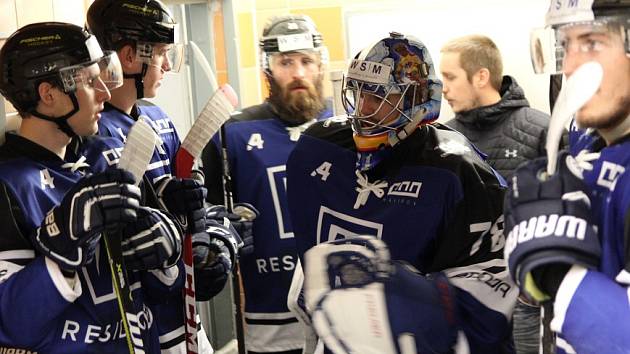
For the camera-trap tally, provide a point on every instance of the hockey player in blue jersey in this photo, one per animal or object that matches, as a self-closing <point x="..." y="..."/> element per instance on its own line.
<point x="259" y="140"/>
<point x="422" y="189"/>
<point x="584" y="268"/>
<point x="55" y="285"/>
<point x="143" y="33"/>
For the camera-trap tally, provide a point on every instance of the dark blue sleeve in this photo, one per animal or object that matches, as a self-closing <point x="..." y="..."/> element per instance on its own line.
<point x="31" y="302"/>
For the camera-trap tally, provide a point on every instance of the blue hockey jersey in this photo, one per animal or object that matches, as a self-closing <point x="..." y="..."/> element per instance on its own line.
<point x="39" y="309"/>
<point x="116" y="123"/>
<point x="258" y="145"/>
<point x="432" y="199"/>
<point x="592" y="308"/>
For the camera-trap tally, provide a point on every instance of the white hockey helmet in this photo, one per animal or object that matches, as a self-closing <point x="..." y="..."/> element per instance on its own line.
<point x="548" y="45"/>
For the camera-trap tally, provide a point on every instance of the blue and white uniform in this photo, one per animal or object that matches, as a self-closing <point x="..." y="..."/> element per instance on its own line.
<point x="40" y="311"/>
<point x="116" y="123"/>
<point x="431" y="198"/>
<point x="592" y="308"/>
<point x="259" y="143"/>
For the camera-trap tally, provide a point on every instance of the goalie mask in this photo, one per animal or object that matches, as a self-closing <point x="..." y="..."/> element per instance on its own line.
<point x="142" y="23"/>
<point x="62" y="54"/>
<point x="548" y="45"/>
<point x="390" y="89"/>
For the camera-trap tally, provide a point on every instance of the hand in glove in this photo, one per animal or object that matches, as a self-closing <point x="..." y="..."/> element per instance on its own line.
<point x="242" y="219"/>
<point x="70" y="231"/>
<point x="549" y="224"/>
<point x="184" y="198"/>
<point x="214" y="256"/>
<point x="152" y="242"/>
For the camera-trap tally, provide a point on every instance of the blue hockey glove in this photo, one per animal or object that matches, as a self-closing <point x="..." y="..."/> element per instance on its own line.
<point x="361" y="302"/>
<point x="70" y="231"/>
<point x="214" y="256"/>
<point x="152" y="242"/>
<point x="550" y="226"/>
<point x="183" y="198"/>
<point x="242" y="219"/>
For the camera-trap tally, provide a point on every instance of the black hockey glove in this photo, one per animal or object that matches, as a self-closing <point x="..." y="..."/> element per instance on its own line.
<point x="242" y="219"/>
<point x="550" y="226"/>
<point x="214" y="256"/>
<point x="184" y="198"/>
<point x="152" y="242"/>
<point x="70" y="231"/>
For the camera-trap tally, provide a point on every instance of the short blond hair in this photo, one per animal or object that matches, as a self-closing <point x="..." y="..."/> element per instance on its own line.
<point x="477" y="52"/>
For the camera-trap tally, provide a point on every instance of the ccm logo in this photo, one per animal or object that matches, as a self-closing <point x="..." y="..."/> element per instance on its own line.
<point x="405" y="189"/>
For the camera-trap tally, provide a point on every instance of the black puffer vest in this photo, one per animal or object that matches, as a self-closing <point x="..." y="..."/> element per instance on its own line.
<point x="509" y="132"/>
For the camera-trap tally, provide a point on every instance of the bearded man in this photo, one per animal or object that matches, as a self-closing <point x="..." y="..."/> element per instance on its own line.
<point x="259" y="140"/>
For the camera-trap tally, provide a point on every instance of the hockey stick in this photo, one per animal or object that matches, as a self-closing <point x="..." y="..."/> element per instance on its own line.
<point x="229" y="204"/>
<point x="336" y="78"/>
<point x="216" y="111"/>
<point x="236" y="280"/>
<point x="576" y="91"/>
<point x="135" y="158"/>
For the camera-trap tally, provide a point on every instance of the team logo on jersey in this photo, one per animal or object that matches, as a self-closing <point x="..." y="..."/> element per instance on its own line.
<point x="333" y="225"/>
<point x="608" y="175"/>
<point x="403" y="192"/>
<point x="452" y="147"/>
<point x="112" y="156"/>
<point x="405" y="189"/>
<point x="277" y="176"/>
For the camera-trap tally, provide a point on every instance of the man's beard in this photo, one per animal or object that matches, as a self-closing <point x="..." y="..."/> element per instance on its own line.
<point x="297" y="107"/>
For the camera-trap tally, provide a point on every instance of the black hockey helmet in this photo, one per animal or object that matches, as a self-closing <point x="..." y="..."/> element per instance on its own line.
<point x="114" y="21"/>
<point x="57" y="53"/>
<point x="140" y="23"/>
<point x="290" y="33"/>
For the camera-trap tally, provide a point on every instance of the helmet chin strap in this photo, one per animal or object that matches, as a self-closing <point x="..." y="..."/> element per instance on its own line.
<point x="62" y="122"/>
<point x="138" y="80"/>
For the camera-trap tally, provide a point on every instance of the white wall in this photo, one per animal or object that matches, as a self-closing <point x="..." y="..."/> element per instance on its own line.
<point x="507" y="22"/>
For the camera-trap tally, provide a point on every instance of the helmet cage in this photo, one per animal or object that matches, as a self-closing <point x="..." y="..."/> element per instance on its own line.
<point x="353" y="97"/>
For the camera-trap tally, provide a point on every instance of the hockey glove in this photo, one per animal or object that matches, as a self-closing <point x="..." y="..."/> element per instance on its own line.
<point x="242" y="219"/>
<point x="183" y="198"/>
<point x="70" y="231"/>
<point x="152" y="242"/>
<point x="550" y="227"/>
<point x="363" y="303"/>
<point x="214" y="256"/>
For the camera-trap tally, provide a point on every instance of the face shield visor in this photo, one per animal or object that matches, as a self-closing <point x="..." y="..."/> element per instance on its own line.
<point x="168" y="57"/>
<point x="104" y="74"/>
<point x="549" y="46"/>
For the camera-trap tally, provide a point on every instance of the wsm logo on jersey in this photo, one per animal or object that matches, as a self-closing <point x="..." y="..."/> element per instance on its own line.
<point x="403" y="192"/>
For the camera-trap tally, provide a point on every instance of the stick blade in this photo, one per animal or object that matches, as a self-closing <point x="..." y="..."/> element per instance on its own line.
<point x="138" y="150"/>
<point x="575" y="93"/>
<point x="216" y="111"/>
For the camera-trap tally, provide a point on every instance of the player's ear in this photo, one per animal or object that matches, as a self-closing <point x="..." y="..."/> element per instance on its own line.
<point x="46" y="93"/>
<point x="127" y="56"/>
